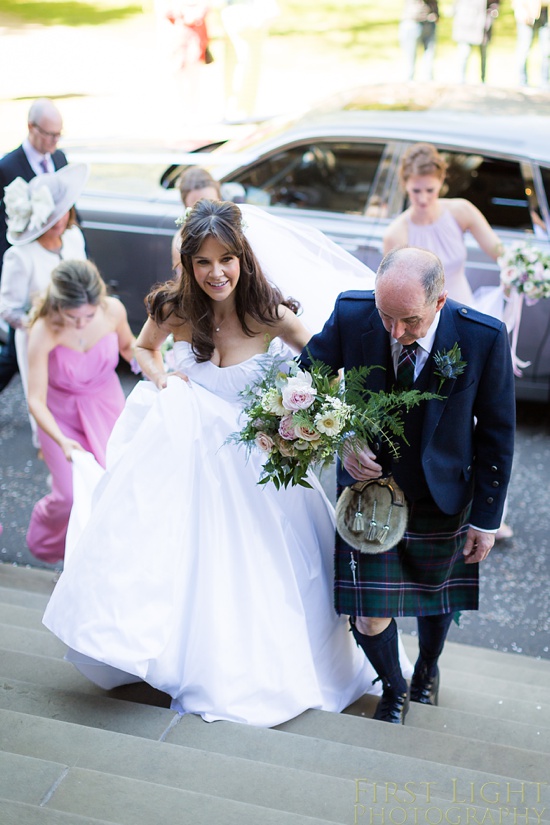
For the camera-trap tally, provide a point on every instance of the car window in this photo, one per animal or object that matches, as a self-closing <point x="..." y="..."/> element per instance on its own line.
<point x="494" y="185"/>
<point x="333" y="176"/>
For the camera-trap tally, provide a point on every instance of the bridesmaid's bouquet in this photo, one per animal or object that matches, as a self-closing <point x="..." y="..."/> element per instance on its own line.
<point x="525" y="268"/>
<point x="302" y="419"/>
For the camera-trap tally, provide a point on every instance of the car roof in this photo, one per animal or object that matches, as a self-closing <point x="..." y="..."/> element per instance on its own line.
<point x="502" y="121"/>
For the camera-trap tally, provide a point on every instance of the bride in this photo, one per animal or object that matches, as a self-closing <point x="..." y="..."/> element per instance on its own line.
<point x="188" y="574"/>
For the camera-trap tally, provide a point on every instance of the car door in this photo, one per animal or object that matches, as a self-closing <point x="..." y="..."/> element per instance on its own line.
<point x="128" y="234"/>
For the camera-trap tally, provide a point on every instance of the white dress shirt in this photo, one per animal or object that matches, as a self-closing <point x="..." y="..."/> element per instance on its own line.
<point x="35" y="158"/>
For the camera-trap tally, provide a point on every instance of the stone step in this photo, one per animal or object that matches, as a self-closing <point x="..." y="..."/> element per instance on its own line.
<point x="124" y="801"/>
<point x="18" y="813"/>
<point x="485" y="728"/>
<point x="21" y="616"/>
<point x="74" y="754"/>
<point x="512" y="666"/>
<point x="45" y="671"/>
<point x="320" y="731"/>
<point x="23" y="598"/>
<point x="282" y="773"/>
<point x="29" y="579"/>
<point x="31" y="641"/>
<point x="96" y="710"/>
<point x="493" y="698"/>
<point x="525" y="711"/>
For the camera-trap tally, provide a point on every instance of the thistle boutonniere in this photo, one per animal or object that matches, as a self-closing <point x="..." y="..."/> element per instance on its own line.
<point x="449" y="364"/>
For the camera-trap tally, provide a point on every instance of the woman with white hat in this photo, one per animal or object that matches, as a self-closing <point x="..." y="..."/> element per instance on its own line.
<point x="42" y="230"/>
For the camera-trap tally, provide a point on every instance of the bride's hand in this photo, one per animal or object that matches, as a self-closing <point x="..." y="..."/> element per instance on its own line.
<point x="360" y="461"/>
<point x="160" y="380"/>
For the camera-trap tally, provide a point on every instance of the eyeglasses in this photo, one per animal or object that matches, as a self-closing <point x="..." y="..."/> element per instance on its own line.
<point x="44" y="133"/>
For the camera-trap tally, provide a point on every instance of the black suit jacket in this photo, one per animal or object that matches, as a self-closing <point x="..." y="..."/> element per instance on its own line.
<point x="16" y="165"/>
<point x="464" y="444"/>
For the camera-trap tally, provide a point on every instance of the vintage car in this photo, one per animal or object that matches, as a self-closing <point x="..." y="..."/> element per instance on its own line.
<point x="335" y="168"/>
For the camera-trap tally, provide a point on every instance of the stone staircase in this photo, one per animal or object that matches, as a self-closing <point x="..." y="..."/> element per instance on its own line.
<point x="72" y="754"/>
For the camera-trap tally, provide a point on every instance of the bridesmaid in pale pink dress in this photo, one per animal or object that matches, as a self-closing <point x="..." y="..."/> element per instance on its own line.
<point x="439" y="225"/>
<point x="76" y="336"/>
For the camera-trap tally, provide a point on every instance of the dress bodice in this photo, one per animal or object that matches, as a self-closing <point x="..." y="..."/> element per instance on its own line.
<point x="226" y="382"/>
<point x="444" y="237"/>
<point x="83" y="373"/>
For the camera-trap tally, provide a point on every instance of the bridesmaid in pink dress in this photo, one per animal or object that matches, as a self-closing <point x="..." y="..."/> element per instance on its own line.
<point x="75" y="340"/>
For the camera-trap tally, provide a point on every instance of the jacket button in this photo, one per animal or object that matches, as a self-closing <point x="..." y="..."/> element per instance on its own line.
<point x="464" y="311"/>
<point x="490" y="500"/>
<point x="494" y="468"/>
<point x="496" y="484"/>
<point x="468" y="468"/>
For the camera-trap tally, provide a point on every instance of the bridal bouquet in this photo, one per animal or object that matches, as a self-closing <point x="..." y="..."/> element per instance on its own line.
<point x="526" y="269"/>
<point x="302" y="419"/>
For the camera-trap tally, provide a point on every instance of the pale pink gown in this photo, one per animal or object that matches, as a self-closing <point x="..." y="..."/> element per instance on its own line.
<point x="445" y="238"/>
<point x="85" y="398"/>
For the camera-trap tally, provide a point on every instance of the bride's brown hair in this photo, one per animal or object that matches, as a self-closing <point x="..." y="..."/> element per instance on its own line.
<point x="255" y="297"/>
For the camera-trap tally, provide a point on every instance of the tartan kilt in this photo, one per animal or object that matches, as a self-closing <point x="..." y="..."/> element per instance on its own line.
<point x="424" y="575"/>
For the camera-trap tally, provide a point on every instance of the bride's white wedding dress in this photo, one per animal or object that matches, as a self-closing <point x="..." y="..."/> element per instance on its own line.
<point x="195" y="579"/>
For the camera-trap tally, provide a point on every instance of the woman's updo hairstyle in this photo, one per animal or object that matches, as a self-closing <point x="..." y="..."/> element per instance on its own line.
<point x="421" y="159"/>
<point x="73" y="283"/>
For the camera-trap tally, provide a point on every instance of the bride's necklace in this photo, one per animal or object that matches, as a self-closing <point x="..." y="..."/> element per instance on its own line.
<point x="217" y="329"/>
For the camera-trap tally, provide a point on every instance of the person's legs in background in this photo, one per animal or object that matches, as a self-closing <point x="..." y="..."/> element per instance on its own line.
<point x="524" y="38"/>
<point x="483" y="60"/>
<point x="409" y="35"/>
<point x="427" y="38"/>
<point x="544" y="47"/>
<point x="463" y="52"/>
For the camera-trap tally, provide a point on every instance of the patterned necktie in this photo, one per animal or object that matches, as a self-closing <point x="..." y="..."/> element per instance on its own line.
<point x="44" y="165"/>
<point x="405" y="366"/>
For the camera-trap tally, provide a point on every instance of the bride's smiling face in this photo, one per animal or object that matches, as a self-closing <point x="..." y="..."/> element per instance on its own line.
<point x="216" y="270"/>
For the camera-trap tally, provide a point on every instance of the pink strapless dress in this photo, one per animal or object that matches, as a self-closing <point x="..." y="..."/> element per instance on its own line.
<point x="85" y="398"/>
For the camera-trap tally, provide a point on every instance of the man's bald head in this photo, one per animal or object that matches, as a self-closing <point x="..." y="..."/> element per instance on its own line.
<point x="409" y="291"/>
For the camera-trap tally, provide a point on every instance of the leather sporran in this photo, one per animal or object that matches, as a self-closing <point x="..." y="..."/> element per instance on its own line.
<point x="371" y="516"/>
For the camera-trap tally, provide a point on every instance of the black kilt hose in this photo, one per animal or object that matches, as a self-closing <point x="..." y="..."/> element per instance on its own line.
<point x="424" y="575"/>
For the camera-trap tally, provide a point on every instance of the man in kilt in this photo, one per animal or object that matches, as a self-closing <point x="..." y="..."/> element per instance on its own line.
<point x="454" y="466"/>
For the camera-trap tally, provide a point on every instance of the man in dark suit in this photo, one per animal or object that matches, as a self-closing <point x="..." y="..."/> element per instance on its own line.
<point x="36" y="155"/>
<point x="454" y="470"/>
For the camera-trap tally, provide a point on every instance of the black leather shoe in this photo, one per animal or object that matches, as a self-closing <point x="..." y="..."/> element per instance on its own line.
<point x="392" y="708"/>
<point x="424" y="689"/>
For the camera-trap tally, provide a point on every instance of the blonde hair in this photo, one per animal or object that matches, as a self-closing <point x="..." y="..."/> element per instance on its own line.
<point x="72" y="284"/>
<point x="421" y="159"/>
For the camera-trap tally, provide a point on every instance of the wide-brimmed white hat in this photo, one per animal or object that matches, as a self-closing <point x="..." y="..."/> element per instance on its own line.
<point x="34" y="207"/>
